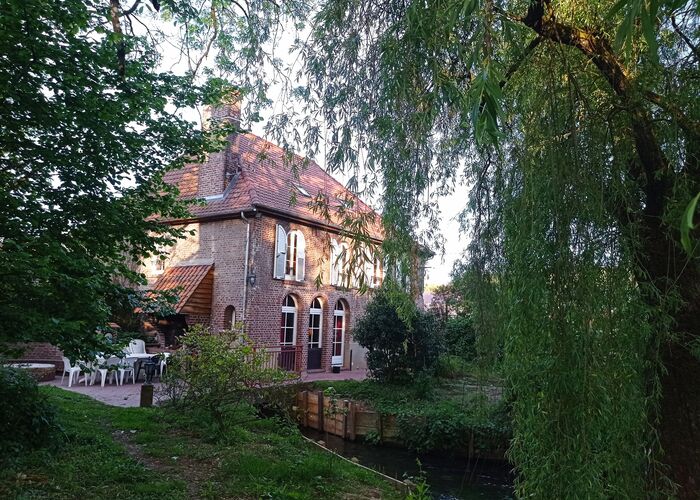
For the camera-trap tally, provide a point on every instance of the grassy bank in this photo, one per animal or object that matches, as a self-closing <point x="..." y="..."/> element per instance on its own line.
<point x="437" y="414"/>
<point x="109" y="452"/>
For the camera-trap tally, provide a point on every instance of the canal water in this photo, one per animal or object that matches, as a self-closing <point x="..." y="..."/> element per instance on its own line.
<point x="449" y="477"/>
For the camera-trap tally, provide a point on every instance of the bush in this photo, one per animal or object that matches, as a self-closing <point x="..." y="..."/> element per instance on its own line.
<point x="460" y="337"/>
<point x="451" y="366"/>
<point x="223" y="375"/>
<point x="27" y="420"/>
<point x="448" y="425"/>
<point x="396" y="351"/>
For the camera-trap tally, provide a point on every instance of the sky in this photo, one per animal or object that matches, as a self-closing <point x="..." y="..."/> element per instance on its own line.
<point x="439" y="267"/>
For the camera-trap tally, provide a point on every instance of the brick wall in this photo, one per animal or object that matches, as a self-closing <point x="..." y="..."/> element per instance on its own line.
<point x="223" y="243"/>
<point x="41" y="352"/>
<point x="220" y="242"/>
<point x="266" y="297"/>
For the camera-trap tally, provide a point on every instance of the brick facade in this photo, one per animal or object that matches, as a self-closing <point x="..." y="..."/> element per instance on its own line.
<point x="223" y="243"/>
<point x="265" y="298"/>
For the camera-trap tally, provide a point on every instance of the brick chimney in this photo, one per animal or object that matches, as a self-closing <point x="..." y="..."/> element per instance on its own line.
<point x="222" y="167"/>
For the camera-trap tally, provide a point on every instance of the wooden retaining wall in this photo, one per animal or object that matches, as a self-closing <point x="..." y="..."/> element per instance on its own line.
<point x="352" y="419"/>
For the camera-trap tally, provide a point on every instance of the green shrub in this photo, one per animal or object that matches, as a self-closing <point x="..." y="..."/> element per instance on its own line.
<point x="224" y="375"/>
<point x="460" y="337"/>
<point x="27" y="419"/>
<point x="451" y="366"/>
<point x="448" y="425"/>
<point x="396" y="349"/>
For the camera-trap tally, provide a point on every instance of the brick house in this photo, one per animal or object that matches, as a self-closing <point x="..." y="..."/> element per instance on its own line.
<point x="256" y="258"/>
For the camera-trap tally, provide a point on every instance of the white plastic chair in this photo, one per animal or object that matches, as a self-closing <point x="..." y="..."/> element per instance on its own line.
<point x="71" y="370"/>
<point x="103" y="368"/>
<point x="136" y="346"/>
<point x="163" y="362"/>
<point x="126" y="366"/>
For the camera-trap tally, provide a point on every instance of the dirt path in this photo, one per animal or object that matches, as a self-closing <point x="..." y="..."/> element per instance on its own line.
<point x="194" y="472"/>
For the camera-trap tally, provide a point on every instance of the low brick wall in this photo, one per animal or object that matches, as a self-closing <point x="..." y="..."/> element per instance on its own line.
<point x="40" y="352"/>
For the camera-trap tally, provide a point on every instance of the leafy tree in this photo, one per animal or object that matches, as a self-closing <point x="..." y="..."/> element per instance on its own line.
<point x="396" y="349"/>
<point x="88" y="126"/>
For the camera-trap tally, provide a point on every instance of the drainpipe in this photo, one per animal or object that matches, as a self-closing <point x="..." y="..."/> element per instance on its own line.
<point x="245" y="267"/>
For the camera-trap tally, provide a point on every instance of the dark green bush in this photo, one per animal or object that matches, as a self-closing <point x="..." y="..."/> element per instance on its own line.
<point x="397" y="349"/>
<point x="451" y="366"/>
<point x="460" y="337"/>
<point x="27" y="419"/>
<point x="448" y="425"/>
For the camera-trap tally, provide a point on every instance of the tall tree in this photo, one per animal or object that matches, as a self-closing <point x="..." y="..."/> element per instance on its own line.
<point x="578" y="125"/>
<point x="88" y="127"/>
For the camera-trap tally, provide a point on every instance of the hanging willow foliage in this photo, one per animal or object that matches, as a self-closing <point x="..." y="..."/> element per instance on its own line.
<point x="577" y="128"/>
<point x="558" y="114"/>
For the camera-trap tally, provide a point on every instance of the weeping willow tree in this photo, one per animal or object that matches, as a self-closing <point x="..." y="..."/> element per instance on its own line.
<point x="576" y="125"/>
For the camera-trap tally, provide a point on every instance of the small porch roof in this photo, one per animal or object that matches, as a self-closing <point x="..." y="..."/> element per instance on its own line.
<point x="195" y="284"/>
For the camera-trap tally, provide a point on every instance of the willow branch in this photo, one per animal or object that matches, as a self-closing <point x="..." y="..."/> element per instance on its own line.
<point x="690" y="126"/>
<point x="687" y="40"/>
<point x="541" y="18"/>
<point x="523" y="57"/>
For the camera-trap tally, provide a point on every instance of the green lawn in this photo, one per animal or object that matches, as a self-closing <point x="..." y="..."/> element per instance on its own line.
<point x="111" y="452"/>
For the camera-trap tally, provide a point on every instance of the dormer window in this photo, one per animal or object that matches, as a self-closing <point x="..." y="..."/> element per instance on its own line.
<point x="290" y="255"/>
<point x="302" y="190"/>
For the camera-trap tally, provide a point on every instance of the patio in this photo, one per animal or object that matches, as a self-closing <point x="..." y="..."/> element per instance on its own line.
<point x="128" y="395"/>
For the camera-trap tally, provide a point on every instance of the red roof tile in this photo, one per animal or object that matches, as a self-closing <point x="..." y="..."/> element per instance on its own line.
<point x="267" y="181"/>
<point x="188" y="278"/>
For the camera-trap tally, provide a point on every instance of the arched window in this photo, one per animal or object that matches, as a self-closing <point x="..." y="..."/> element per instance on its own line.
<point x="288" y="329"/>
<point x="338" y="333"/>
<point x="229" y="317"/>
<point x="290" y="255"/>
<point x="315" y="322"/>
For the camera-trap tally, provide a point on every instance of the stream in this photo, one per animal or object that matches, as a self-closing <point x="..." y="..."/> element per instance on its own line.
<point x="449" y="477"/>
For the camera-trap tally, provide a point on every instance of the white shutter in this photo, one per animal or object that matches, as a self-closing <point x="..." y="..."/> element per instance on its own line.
<point x="369" y="268"/>
<point x="334" y="262"/>
<point x="301" y="257"/>
<point x="280" y="252"/>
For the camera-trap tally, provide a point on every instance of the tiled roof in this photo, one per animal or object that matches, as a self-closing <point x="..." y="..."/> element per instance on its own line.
<point x="188" y="278"/>
<point x="267" y="182"/>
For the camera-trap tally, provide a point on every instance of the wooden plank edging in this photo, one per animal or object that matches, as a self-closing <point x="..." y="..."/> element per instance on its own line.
<point x="395" y="482"/>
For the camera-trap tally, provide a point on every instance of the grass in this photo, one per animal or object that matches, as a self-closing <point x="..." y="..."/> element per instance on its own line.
<point x="142" y="453"/>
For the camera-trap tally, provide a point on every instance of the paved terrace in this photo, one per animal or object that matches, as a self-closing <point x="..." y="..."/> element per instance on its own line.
<point x="130" y="394"/>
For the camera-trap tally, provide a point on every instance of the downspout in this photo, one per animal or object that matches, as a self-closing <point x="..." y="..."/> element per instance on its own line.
<point x="245" y="267"/>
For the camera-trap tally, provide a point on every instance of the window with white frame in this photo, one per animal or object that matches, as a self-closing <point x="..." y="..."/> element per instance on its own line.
<point x="288" y="328"/>
<point x="290" y="255"/>
<point x="372" y="269"/>
<point x="158" y="259"/>
<point x="339" y="263"/>
<point x="338" y="333"/>
<point x="315" y="322"/>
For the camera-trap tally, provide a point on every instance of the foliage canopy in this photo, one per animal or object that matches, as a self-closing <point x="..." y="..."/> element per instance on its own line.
<point x="88" y="127"/>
